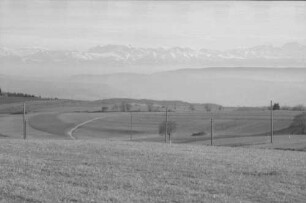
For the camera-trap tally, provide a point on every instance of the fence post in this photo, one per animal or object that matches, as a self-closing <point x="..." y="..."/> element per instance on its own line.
<point x="131" y="126"/>
<point x="272" y="128"/>
<point x="24" y="122"/>
<point x="211" y="131"/>
<point x="166" y="125"/>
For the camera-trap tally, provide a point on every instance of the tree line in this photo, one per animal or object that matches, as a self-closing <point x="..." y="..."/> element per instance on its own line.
<point x="299" y="107"/>
<point x="151" y="107"/>
<point x="15" y="94"/>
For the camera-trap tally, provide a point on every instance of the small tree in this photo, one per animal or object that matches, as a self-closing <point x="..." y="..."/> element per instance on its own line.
<point x="171" y="128"/>
<point x="115" y="107"/>
<point x="276" y="106"/>
<point x="208" y="107"/>
<point x="191" y="107"/>
<point x="150" y="107"/>
<point x="104" y="108"/>
<point x="128" y="107"/>
<point x="124" y="107"/>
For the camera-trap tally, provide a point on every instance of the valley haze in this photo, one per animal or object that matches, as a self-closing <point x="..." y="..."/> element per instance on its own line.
<point x="198" y="51"/>
<point x="225" y="86"/>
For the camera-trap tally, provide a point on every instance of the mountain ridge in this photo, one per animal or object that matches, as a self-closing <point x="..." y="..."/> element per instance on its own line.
<point x="120" y="58"/>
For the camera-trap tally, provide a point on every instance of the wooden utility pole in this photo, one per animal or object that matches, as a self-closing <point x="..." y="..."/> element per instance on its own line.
<point x="166" y="125"/>
<point x="131" y="126"/>
<point x="272" y="128"/>
<point x="24" y="122"/>
<point x="211" y="131"/>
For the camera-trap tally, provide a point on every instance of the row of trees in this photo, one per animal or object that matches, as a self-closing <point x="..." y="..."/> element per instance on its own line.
<point x="123" y="107"/>
<point x="207" y="107"/>
<point x="294" y="108"/>
<point x="299" y="107"/>
<point x="126" y="107"/>
<point x="14" y="94"/>
<point x="150" y="107"/>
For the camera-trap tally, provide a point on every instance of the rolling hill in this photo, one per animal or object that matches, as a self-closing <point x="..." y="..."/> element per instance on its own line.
<point x="225" y="86"/>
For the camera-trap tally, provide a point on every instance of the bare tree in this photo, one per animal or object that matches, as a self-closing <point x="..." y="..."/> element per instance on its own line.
<point x="124" y="107"/>
<point x="171" y="128"/>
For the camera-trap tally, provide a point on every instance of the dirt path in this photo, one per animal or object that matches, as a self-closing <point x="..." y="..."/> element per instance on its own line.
<point x="70" y="132"/>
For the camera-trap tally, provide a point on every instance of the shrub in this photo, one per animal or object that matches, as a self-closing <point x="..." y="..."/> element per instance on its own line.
<point x="198" y="133"/>
<point x="299" y="124"/>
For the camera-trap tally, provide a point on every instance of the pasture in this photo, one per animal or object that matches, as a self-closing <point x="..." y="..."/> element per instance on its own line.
<point x="123" y="171"/>
<point x="230" y="128"/>
<point x="104" y="164"/>
<point x="250" y="128"/>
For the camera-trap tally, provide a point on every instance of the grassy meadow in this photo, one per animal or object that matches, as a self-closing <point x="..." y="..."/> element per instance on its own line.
<point x="122" y="171"/>
<point x="54" y="119"/>
<point x="229" y="128"/>
<point x="103" y="165"/>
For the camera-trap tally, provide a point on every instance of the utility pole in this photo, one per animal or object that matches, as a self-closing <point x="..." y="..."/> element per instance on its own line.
<point x="131" y="126"/>
<point x="24" y="122"/>
<point x="272" y="121"/>
<point x="166" y="125"/>
<point x="211" y="131"/>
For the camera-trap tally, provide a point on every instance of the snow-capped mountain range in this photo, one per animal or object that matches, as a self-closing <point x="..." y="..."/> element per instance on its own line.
<point x="290" y="54"/>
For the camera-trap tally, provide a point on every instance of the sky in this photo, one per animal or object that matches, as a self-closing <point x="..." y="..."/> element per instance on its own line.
<point x="81" y="24"/>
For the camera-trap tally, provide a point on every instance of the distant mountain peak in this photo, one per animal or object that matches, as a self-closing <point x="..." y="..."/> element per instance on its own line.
<point x="123" y="56"/>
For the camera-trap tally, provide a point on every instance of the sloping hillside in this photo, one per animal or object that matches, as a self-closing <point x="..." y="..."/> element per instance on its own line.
<point x="16" y="97"/>
<point x="298" y="125"/>
<point x="10" y="100"/>
<point x="224" y="86"/>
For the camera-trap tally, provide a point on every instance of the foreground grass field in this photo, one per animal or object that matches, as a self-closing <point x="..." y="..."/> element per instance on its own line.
<point x="117" y="171"/>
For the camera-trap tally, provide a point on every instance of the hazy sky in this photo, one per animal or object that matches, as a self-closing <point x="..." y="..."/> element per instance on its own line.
<point x="79" y="24"/>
